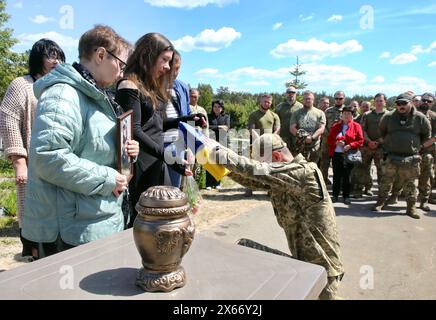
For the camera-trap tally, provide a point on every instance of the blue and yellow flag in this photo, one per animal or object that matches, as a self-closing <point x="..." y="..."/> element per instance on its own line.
<point x="196" y="142"/>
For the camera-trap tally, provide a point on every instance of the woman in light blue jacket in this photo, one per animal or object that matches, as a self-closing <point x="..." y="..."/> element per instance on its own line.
<point x="73" y="192"/>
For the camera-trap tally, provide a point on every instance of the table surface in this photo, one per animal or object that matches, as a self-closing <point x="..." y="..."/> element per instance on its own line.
<point x="106" y="269"/>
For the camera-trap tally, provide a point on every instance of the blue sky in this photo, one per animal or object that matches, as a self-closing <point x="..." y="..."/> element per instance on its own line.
<point x="246" y="45"/>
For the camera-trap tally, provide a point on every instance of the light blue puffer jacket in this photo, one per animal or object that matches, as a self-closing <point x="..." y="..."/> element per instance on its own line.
<point x="71" y="162"/>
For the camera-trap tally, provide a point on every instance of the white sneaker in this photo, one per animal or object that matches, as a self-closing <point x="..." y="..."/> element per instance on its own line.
<point x="208" y="188"/>
<point x="218" y="187"/>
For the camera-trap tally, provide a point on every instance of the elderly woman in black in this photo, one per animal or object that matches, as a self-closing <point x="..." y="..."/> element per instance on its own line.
<point x="219" y="126"/>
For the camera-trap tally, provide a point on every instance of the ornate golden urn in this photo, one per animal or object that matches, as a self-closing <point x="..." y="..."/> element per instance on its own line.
<point x="163" y="232"/>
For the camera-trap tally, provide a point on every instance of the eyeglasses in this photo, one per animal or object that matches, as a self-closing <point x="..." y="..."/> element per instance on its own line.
<point x="401" y="103"/>
<point x="52" y="58"/>
<point x="339" y="98"/>
<point x="427" y="101"/>
<point x="123" y="64"/>
<point x="291" y="92"/>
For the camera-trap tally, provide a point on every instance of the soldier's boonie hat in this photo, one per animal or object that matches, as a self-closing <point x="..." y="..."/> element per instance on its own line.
<point x="428" y="96"/>
<point x="265" y="144"/>
<point x="404" y="97"/>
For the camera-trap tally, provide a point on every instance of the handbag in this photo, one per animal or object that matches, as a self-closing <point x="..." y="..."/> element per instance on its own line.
<point x="353" y="156"/>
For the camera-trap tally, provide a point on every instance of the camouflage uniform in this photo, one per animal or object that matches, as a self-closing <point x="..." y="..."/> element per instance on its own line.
<point x="308" y="121"/>
<point x="285" y="110"/>
<point x="402" y="140"/>
<point x="332" y="115"/>
<point x="405" y="173"/>
<point x="427" y="173"/>
<point x="302" y="207"/>
<point x="371" y="132"/>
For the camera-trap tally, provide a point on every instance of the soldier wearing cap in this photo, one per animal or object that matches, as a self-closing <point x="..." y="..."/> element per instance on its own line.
<point x="403" y="131"/>
<point x="300" y="200"/>
<point x="285" y="110"/>
<point x="332" y="115"/>
<point x="427" y="153"/>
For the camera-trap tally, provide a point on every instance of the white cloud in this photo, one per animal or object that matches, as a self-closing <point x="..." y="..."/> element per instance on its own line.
<point x="65" y="42"/>
<point x="385" y="55"/>
<point x="305" y="18"/>
<point x="315" y="49"/>
<point x="257" y="83"/>
<point x="378" y="79"/>
<point x="18" y="5"/>
<point x="432" y="64"/>
<point x="277" y="25"/>
<point x="208" y="40"/>
<point x="188" y="4"/>
<point x="335" y="18"/>
<point x="418" y="49"/>
<point x="320" y="75"/>
<point x="208" y="72"/>
<point x="404" y="58"/>
<point x="40" y="19"/>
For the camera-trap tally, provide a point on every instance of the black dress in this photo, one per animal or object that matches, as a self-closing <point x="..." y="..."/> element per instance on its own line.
<point x="148" y="125"/>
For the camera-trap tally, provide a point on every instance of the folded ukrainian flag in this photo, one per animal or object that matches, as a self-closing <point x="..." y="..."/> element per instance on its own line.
<point x="196" y="142"/>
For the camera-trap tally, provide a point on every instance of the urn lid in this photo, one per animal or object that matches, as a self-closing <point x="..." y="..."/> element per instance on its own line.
<point x="163" y="197"/>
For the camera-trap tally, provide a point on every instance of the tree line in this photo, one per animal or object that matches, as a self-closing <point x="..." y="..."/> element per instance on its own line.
<point x="238" y="104"/>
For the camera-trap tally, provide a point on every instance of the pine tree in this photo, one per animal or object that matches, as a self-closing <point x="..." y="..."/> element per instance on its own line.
<point x="12" y="64"/>
<point x="297" y="73"/>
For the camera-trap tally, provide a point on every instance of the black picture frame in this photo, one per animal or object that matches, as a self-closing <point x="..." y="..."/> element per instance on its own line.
<point x="124" y="132"/>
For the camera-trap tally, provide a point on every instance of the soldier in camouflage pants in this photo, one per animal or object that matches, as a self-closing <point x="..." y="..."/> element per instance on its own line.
<point x="424" y="181"/>
<point x="406" y="174"/>
<point x="362" y="172"/>
<point x="405" y="132"/>
<point x="300" y="200"/>
<point x="427" y="153"/>
<point x="332" y="115"/>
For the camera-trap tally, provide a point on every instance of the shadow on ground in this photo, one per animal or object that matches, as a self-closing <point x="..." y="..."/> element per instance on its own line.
<point x="233" y="195"/>
<point x="10" y="232"/>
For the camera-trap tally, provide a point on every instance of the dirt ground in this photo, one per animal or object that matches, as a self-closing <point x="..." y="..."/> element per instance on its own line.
<point x="217" y="206"/>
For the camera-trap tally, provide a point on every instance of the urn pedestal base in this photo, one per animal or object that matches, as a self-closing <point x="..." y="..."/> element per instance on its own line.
<point x="152" y="281"/>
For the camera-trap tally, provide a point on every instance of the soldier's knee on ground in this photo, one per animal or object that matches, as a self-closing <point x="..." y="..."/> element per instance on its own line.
<point x="331" y="289"/>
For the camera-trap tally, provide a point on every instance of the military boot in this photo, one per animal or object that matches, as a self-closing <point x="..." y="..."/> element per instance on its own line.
<point x="393" y="199"/>
<point x="411" y="210"/>
<point x="379" y="205"/>
<point x="424" y="206"/>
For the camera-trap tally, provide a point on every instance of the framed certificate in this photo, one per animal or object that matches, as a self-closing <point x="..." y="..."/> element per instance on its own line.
<point x="124" y="133"/>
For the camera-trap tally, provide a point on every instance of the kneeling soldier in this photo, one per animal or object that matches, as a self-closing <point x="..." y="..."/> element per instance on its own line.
<point x="300" y="200"/>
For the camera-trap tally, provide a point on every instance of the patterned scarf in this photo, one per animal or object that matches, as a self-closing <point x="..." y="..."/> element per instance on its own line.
<point x="88" y="77"/>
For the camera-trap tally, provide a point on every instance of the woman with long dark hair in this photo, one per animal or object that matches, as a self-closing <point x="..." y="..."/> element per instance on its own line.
<point x="144" y="89"/>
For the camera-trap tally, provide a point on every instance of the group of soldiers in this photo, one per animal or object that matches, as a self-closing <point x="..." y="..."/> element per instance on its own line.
<point x="400" y="141"/>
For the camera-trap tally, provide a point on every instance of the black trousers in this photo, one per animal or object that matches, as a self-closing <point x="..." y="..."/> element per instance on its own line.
<point x="341" y="176"/>
<point x="211" y="181"/>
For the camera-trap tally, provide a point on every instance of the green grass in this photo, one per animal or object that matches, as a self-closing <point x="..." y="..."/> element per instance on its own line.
<point x="8" y="222"/>
<point x="6" y="169"/>
<point x="8" y="197"/>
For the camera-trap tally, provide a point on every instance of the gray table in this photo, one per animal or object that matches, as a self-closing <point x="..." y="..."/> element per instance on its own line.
<point x="106" y="269"/>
